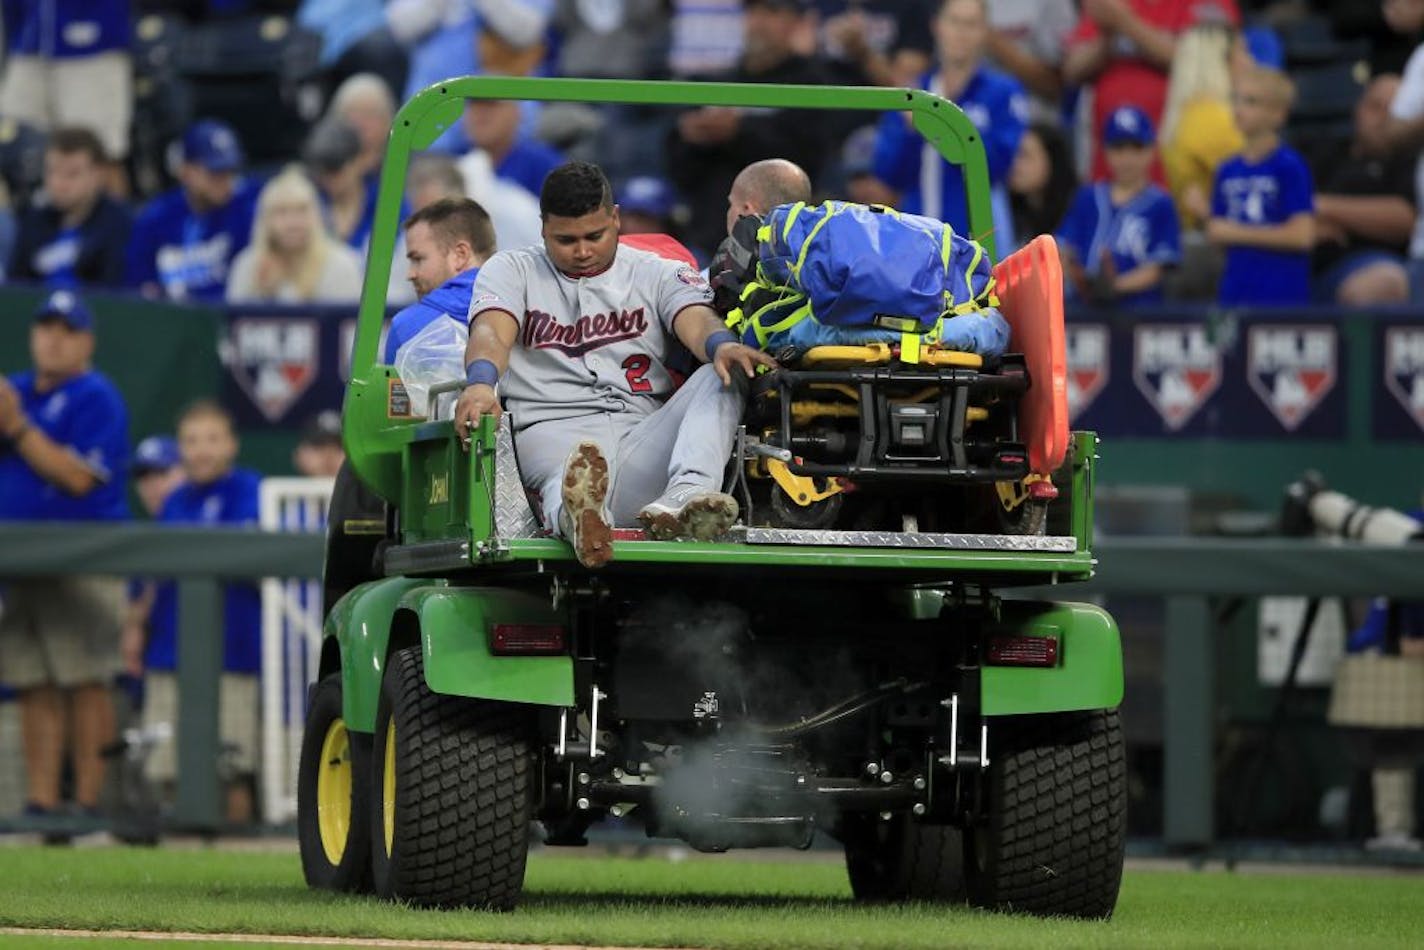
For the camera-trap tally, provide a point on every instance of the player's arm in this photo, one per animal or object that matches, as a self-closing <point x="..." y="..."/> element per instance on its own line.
<point x="707" y="337"/>
<point x="492" y="336"/>
<point x="1297" y="233"/>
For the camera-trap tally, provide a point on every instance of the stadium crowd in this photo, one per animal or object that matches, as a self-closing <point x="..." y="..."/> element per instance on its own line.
<point x="1248" y="153"/>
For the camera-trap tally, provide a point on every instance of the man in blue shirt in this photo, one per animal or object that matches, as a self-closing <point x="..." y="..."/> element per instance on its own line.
<point x="78" y="235"/>
<point x="921" y="181"/>
<point x="185" y="239"/>
<point x="63" y="457"/>
<point x="1121" y="235"/>
<point x="215" y="492"/>
<point x="446" y="243"/>
<point x="496" y="125"/>
<point x="1263" y="202"/>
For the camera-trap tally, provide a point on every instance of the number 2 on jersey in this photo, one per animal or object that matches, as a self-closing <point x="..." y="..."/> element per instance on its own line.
<point x="635" y="368"/>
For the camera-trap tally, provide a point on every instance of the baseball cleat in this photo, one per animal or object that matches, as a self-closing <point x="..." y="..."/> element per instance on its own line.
<point x="582" y="519"/>
<point x="689" y="511"/>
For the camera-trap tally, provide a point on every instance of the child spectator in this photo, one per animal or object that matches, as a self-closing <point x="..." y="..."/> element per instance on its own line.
<point x="994" y="102"/>
<point x="78" y="235"/>
<point x="319" y="454"/>
<point x="1041" y="181"/>
<point x="1122" y="234"/>
<point x="185" y="239"/>
<point x="292" y="257"/>
<point x="216" y="493"/>
<point x="1263" y="202"/>
<point x="157" y="471"/>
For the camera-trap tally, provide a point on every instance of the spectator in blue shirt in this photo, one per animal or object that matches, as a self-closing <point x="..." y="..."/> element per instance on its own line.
<point x="63" y="457"/>
<point x="446" y="243"/>
<point x="68" y="64"/>
<point x="77" y="235"/>
<point x="1263" y="202"/>
<point x="185" y="240"/>
<point x="157" y="472"/>
<point x="333" y="157"/>
<point x="1122" y="235"/>
<point x="497" y="126"/>
<point x="215" y="492"/>
<point x="917" y="178"/>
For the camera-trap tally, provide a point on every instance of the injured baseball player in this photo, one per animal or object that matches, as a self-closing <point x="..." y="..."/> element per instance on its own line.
<point x="575" y="337"/>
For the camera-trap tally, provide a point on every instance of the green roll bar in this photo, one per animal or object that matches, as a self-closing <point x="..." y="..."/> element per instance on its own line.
<point x="373" y="439"/>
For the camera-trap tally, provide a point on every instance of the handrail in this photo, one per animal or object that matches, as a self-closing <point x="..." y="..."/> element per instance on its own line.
<point x="1183" y="571"/>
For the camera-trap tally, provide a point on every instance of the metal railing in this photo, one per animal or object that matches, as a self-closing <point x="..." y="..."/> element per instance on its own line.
<point x="1186" y="572"/>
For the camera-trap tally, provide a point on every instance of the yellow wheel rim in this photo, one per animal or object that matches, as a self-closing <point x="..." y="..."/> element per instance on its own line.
<point x="333" y="791"/>
<point x="388" y="788"/>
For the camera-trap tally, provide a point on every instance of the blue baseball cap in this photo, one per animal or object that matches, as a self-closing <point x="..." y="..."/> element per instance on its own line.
<point x="646" y="194"/>
<point x="1265" y="46"/>
<point x="157" y="453"/>
<point x="65" y="305"/>
<point x="213" y="144"/>
<point x="1128" y="124"/>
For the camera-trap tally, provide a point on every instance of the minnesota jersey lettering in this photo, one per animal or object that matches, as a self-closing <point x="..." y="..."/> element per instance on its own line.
<point x="543" y="331"/>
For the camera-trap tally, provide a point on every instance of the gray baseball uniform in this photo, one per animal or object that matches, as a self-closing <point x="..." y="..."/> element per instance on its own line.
<point x="590" y="363"/>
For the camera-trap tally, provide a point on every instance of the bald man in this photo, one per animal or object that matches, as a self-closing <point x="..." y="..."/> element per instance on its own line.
<point x="763" y="185"/>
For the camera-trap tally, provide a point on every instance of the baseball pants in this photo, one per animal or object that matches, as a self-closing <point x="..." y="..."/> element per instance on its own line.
<point x="687" y="441"/>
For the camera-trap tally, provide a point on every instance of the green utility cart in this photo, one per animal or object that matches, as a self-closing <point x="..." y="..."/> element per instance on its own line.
<point x="849" y="659"/>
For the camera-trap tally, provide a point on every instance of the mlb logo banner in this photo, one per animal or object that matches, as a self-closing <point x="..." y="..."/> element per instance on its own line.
<point x="1177" y="368"/>
<point x="1292" y="368"/>
<point x="1089" y="365"/>
<point x="273" y="361"/>
<point x="1399" y="402"/>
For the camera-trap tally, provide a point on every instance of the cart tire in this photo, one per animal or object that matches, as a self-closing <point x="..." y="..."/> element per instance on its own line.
<point x="452" y="791"/>
<point x="333" y="796"/>
<point x="903" y="859"/>
<point x="1052" y="840"/>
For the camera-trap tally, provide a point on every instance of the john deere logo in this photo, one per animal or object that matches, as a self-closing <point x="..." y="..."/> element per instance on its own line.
<point x="439" y="489"/>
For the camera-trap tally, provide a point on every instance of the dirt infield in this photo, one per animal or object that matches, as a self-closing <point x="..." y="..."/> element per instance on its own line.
<point x="295" y="940"/>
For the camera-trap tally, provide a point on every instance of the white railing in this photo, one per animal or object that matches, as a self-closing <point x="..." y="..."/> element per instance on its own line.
<point x="291" y="642"/>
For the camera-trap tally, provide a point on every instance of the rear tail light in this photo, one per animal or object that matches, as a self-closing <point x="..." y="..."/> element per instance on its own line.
<point x="1023" y="651"/>
<point x="519" y="639"/>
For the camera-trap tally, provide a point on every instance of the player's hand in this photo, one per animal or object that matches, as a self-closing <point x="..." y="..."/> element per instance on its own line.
<point x="730" y="356"/>
<point x="12" y="414"/>
<point x="476" y="401"/>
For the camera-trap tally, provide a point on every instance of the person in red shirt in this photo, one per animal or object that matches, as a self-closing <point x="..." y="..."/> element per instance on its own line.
<point x="1124" y="48"/>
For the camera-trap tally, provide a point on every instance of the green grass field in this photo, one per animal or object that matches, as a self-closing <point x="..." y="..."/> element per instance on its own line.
<point x="720" y="902"/>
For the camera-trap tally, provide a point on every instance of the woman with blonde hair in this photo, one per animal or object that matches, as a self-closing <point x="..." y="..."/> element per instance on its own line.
<point x="292" y="257"/>
<point x="1198" y="128"/>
